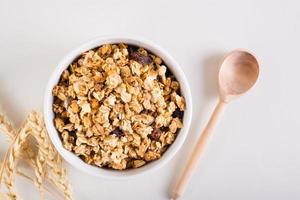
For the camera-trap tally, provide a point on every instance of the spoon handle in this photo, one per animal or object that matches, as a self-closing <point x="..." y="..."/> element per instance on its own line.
<point x="197" y="151"/>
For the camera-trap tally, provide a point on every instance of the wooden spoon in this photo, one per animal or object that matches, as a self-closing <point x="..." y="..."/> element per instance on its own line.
<point x="238" y="73"/>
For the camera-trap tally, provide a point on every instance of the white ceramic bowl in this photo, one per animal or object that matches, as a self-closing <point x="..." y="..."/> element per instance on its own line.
<point x="107" y="173"/>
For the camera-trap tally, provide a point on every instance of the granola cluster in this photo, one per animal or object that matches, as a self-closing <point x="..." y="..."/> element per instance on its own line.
<point x="118" y="106"/>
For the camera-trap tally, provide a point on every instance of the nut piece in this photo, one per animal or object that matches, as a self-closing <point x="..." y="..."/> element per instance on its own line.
<point x="138" y="163"/>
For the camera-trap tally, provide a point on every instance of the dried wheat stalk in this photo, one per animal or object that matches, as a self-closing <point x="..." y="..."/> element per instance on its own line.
<point x="46" y="162"/>
<point x="2" y="167"/>
<point x="24" y="175"/>
<point x="40" y="172"/>
<point x="50" y="155"/>
<point x="6" y="127"/>
<point x="12" y="160"/>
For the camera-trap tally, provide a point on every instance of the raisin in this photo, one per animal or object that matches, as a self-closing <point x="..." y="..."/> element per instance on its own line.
<point x="155" y="135"/>
<point x="164" y="129"/>
<point x="73" y="134"/>
<point x="140" y="58"/>
<point x="177" y="113"/>
<point x="132" y="48"/>
<point x="155" y="114"/>
<point x="118" y="132"/>
<point x="168" y="73"/>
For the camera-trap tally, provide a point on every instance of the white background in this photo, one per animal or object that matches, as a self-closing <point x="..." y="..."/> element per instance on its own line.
<point x="255" y="152"/>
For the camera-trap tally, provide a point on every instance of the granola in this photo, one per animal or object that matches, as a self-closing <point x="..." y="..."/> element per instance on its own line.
<point x="118" y="106"/>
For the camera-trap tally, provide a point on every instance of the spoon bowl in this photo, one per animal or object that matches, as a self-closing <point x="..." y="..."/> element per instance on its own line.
<point x="238" y="73"/>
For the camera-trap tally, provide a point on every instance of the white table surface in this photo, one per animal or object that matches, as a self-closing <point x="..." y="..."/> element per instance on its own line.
<point x="254" y="153"/>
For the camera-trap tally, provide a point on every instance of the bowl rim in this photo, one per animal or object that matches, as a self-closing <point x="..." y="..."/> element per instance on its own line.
<point x="108" y="173"/>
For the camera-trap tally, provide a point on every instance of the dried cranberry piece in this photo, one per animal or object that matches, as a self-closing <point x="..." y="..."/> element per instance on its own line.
<point x="118" y="132"/>
<point x="140" y="58"/>
<point x="177" y="113"/>
<point x="155" y="135"/>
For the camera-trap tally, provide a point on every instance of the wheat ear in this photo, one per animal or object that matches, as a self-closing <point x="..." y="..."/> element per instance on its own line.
<point x="3" y="166"/>
<point x="51" y="156"/>
<point x="57" y="196"/>
<point x="6" y="127"/>
<point x="39" y="171"/>
<point x="11" y="162"/>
